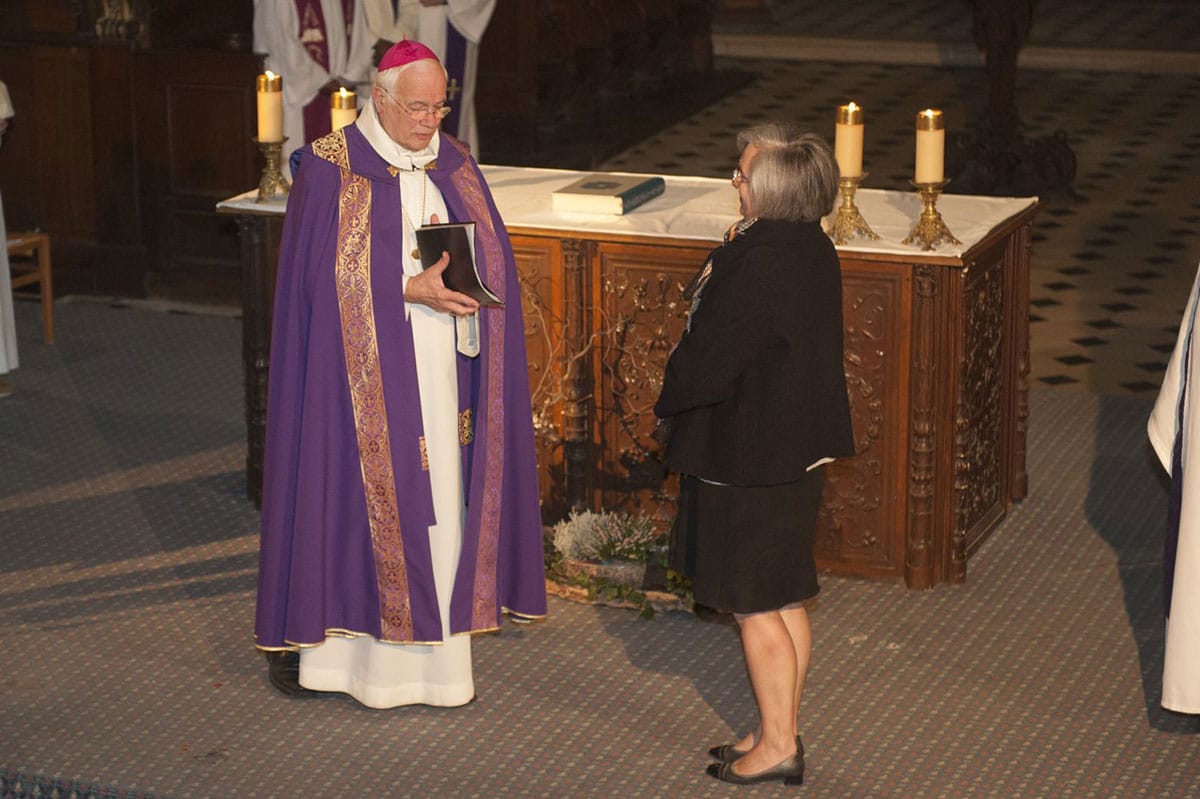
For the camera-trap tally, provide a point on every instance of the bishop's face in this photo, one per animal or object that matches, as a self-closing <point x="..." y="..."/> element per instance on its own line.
<point x="410" y="112"/>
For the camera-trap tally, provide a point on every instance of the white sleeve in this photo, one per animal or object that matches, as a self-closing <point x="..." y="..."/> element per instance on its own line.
<point x="1163" y="425"/>
<point x="386" y="24"/>
<point x="470" y="17"/>
<point x="360" y="63"/>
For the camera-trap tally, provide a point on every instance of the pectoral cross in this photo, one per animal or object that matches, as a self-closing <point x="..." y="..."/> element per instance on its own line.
<point x="452" y="89"/>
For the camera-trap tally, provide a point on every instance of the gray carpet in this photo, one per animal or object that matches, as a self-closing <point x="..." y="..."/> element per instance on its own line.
<point x="127" y="573"/>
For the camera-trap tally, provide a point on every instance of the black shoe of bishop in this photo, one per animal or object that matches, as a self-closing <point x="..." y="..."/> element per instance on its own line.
<point x="283" y="670"/>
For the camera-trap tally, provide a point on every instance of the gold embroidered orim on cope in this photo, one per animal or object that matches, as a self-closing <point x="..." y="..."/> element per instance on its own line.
<point x="361" y="347"/>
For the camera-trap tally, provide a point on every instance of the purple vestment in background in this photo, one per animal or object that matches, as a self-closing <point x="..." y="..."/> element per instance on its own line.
<point x="330" y="561"/>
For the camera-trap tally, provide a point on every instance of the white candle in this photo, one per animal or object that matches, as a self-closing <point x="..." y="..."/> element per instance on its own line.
<point x="270" y="107"/>
<point x="848" y="140"/>
<point x="343" y="107"/>
<point x="931" y="147"/>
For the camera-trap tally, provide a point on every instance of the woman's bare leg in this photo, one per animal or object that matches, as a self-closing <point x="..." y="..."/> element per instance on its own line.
<point x="795" y="618"/>
<point x="771" y="662"/>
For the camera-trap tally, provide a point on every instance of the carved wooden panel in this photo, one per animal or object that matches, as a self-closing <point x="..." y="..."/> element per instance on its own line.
<point x="638" y="320"/>
<point x="541" y="283"/>
<point x="1017" y="331"/>
<point x="864" y="503"/>
<point x="981" y="411"/>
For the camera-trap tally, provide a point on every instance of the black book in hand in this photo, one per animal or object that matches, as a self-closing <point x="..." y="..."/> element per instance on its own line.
<point x="461" y="275"/>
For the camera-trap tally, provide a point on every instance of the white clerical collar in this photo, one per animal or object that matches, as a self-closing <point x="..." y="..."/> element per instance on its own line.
<point x="387" y="147"/>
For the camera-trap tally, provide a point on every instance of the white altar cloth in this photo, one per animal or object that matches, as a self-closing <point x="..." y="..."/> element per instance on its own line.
<point x="702" y="208"/>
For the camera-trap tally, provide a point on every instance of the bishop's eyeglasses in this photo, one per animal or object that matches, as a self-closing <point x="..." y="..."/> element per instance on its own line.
<point x="420" y="110"/>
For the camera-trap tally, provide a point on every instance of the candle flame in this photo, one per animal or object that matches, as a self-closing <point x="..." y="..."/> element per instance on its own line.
<point x="270" y="75"/>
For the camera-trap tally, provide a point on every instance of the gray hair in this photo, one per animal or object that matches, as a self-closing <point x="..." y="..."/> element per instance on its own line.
<point x="388" y="78"/>
<point x="795" y="175"/>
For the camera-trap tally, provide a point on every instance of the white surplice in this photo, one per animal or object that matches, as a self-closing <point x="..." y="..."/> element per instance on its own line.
<point x="384" y="675"/>
<point x="428" y="25"/>
<point x="277" y="34"/>
<point x="1169" y="422"/>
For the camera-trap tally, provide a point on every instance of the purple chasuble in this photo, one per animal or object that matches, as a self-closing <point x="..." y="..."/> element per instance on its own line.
<point x="346" y="496"/>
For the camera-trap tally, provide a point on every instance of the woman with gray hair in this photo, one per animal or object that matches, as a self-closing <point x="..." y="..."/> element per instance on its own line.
<point x="754" y="399"/>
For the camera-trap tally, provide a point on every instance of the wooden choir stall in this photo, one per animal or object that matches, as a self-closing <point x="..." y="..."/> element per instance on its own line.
<point x="936" y="355"/>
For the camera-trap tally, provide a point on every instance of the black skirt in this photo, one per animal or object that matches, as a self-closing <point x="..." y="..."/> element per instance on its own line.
<point x="748" y="549"/>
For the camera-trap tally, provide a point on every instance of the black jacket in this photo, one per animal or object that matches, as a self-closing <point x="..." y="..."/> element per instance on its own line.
<point x="756" y="391"/>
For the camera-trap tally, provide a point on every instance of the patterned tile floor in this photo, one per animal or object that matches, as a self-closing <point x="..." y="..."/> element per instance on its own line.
<point x="1172" y="25"/>
<point x="127" y="581"/>
<point x="1112" y="264"/>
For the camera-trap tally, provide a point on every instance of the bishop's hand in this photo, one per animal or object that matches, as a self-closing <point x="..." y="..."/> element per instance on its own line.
<point x="428" y="289"/>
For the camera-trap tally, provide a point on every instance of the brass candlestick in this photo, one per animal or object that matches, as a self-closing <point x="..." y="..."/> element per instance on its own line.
<point x="272" y="182"/>
<point x="849" y="221"/>
<point x="930" y="229"/>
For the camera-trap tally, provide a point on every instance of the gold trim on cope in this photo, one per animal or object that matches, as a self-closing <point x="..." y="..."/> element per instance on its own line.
<point x="424" y="454"/>
<point x="528" y="616"/>
<point x="466" y="427"/>
<point x="484" y="610"/>
<point x="361" y="346"/>
<point x="332" y="147"/>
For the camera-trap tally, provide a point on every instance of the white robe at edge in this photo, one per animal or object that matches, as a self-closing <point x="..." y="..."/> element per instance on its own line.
<point x="384" y="675"/>
<point x="8" y="321"/>
<point x="427" y="24"/>
<point x="1181" y="660"/>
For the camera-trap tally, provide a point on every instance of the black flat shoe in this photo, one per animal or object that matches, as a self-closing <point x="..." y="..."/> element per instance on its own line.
<point x="727" y="754"/>
<point x="791" y="771"/>
<point x="283" y="670"/>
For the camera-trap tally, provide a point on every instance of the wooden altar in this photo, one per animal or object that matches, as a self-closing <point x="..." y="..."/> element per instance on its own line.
<point x="937" y="354"/>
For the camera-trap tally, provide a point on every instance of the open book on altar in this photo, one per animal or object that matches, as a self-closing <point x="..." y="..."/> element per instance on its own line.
<point x="458" y="239"/>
